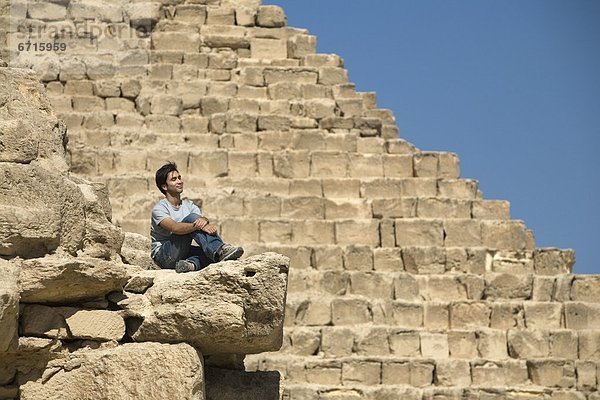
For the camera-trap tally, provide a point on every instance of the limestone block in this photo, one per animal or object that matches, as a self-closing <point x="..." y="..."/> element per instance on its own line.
<point x="462" y="232"/>
<point x="328" y="258"/>
<point x="419" y="232"/>
<point x="130" y="88"/>
<point x="341" y="188"/>
<point x="302" y="45"/>
<point x="322" y="60"/>
<point x="9" y="306"/>
<point x="360" y="232"/>
<point x="245" y="297"/>
<point x="543" y="315"/>
<point x="208" y="164"/>
<point x="527" y="344"/>
<point x="488" y="374"/>
<point x="298" y="75"/>
<point x="278" y="123"/>
<point x="133" y="370"/>
<point x="59" y="279"/>
<point x="303" y="208"/>
<point x="371" y="285"/>
<point x="425" y="165"/>
<point x="308" y="140"/>
<point x="551" y="261"/>
<point x="88" y="103"/>
<point x="350" y="107"/>
<point x="448" y="166"/>
<point x="436" y="316"/>
<point x="397" y="166"/>
<point x="434" y="345"/>
<point x="586" y="375"/>
<point x="365" y="165"/>
<point x="381" y="188"/>
<point x="337" y="341"/>
<point x="265" y="207"/>
<point x="407" y="315"/>
<point x="275" y="232"/>
<point x="507" y="315"/>
<point x="291" y="164"/>
<point x="252" y="76"/>
<point x="453" y="373"/>
<point x="332" y="76"/>
<point x="582" y="315"/>
<point x="313" y="232"/>
<point x="589" y="345"/>
<point x="469" y="315"/>
<point x="510" y="235"/>
<point x="268" y="49"/>
<point x="552" y="373"/>
<point x="350" y="311"/>
<point x="424" y="260"/>
<point x="184" y="41"/>
<point x="405" y="343"/>
<point x="305" y="341"/>
<point x="240" y="230"/>
<point x="443" y="208"/>
<point x="285" y="90"/>
<point x="512" y="262"/>
<point x="395" y="208"/>
<point x="492" y="344"/>
<point x="462" y="344"/>
<point x="387" y="259"/>
<point x="491" y="209"/>
<point x="361" y="372"/>
<point x="339" y="209"/>
<point x="443" y="288"/>
<point x="270" y="17"/>
<point x="358" y="258"/>
<point x="317" y="108"/>
<point x="508" y="286"/>
<point x="324" y="374"/>
<point x="421" y="373"/>
<point x="72" y="323"/>
<point x="373" y="145"/>
<point x="586" y="288"/>
<point x="143" y="14"/>
<point x="395" y="373"/>
<point x="562" y="288"/>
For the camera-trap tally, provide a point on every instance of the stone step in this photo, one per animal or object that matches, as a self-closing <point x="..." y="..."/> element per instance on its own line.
<point x="402" y="232"/>
<point x="444" y="287"/>
<point x="405" y="375"/>
<point x="306" y="309"/>
<point x="291" y="164"/>
<point x="362" y="341"/>
<point x="421" y="391"/>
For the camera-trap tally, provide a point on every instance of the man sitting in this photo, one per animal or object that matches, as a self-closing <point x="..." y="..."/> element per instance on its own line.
<point x="176" y="222"/>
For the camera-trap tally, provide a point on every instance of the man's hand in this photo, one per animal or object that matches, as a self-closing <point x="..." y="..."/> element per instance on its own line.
<point x="203" y="224"/>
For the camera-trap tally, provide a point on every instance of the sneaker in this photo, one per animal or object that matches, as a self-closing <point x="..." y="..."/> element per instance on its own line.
<point x="184" y="266"/>
<point x="229" y="252"/>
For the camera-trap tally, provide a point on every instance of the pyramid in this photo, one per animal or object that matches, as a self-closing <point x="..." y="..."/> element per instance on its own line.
<point x="405" y="282"/>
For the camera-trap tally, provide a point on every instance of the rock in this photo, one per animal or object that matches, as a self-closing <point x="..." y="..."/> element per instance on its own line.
<point x="136" y="251"/>
<point x="229" y="307"/>
<point x="57" y="279"/>
<point x="9" y="305"/>
<point x="130" y="371"/>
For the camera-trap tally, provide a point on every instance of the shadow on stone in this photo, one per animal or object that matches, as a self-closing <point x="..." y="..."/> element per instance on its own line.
<point x="226" y="384"/>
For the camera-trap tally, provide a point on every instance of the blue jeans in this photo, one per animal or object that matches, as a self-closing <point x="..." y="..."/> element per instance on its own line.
<point x="179" y="247"/>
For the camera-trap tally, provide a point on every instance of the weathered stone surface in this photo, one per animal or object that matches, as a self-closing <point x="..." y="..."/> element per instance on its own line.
<point x="130" y="371"/>
<point x="225" y="384"/>
<point x="236" y="306"/>
<point x="9" y="305"/>
<point x="136" y="251"/>
<point x="57" y="279"/>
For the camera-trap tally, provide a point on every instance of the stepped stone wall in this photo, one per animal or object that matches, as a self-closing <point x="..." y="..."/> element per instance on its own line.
<point x="404" y="281"/>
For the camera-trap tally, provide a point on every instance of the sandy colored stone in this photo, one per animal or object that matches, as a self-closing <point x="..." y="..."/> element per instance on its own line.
<point x="130" y="371"/>
<point x="9" y="305"/>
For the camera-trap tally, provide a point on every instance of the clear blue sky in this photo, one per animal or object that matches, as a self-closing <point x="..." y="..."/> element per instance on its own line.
<point x="512" y="86"/>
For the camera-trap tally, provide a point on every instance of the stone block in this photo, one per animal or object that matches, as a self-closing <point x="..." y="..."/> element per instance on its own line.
<point x="208" y="164"/>
<point x="586" y="375"/>
<point x="405" y="343"/>
<point x="397" y="166"/>
<point x="448" y="166"/>
<point x="240" y="231"/>
<point x="462" y="344"/>
<point x="582" y="315"/>
<point x="419" y="232"/>
<point x="9" y="308"/>
<point x="527" y="344"/>
<point x="395" y="373"/>
<point x="88" y="103"/>
<point x="358" y="258"/>
<point x="462" y="232"/>
<point x="303" y="208"/>
<point x="270" y="17"/>
<point x="453" y="373"/>
<point x="507" y="315"/>
<point x="298" y="75"/>
<point x="365" y="165"/>
<point x="302" y="45"/>
<point x="508" y="286"/>
<point x="240" y="122"/>
<point x="436" y="316"/>
<point x="543" y="315"/>
<point x="508" y="235"/>
<point x="328" y="258"/>
<point x="371" y="285"/>
<point x="311" y="312"/>
<point x="424" y="260"/>
<point x="492" y="344"/>
<point x="394" y="208"/>
<point x="220" y="16"/>
<point x="421" y="373"/>
<point x="337" y="342"/>
<point x="387" y="259"/>
<point x="491" y="209"/>
<point x="277" y="123"/>
<point x="469" y="315"/>
<point x="305" y="341"/>
<point x="339" y="209"/>
<point x="381" y="188"/>
<point x="374" y="145"/>
<point x="407" y="315"/>
<point x="552" y="373"/>
<point x="434" y="345"/>
<point x="425" y="165"/>
<point x="443" y="208"/>
<point x="361" y="372"/>
<point x="184" y="41"/>
<point x="350" y="107"/>
<point x="372" y="341"/>
<point x="291" y="164"/>
<point x="586" y="288"/>
<point x="332" y="76"/>
<point x="359" y="232"/>
<point x="308" y="140"/>
<point x="563" y="344"/>
<point x="307" y="187"/>
<point x="457" y="188"/>
<point x="589" y="345"/>
<point x="275" y="232"/>
<point x="350" y="311"/>
<point x="262" y="207"/>
<point x="551" y="261"/>
<point x="313" y="232"/>
<point x="268" y="49"/>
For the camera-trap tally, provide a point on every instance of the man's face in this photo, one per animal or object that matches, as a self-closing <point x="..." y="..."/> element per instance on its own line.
<point x="174" y="183"/>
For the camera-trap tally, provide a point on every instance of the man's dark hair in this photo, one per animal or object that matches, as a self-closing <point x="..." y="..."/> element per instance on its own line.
<point x="162" y="173"/>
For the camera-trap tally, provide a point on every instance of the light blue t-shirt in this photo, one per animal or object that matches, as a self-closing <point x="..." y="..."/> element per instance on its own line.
<point x="163" y="209"/>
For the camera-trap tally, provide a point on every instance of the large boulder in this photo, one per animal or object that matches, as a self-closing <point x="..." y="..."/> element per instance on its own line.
<point x="131" y="371"/>
<point x="229" y="307"/>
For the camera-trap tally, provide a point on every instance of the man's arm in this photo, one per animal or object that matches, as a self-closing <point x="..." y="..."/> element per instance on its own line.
<point x="178" y="228"/>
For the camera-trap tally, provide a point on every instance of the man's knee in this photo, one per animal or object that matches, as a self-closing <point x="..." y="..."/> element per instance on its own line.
<point x="191" y="218"/>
